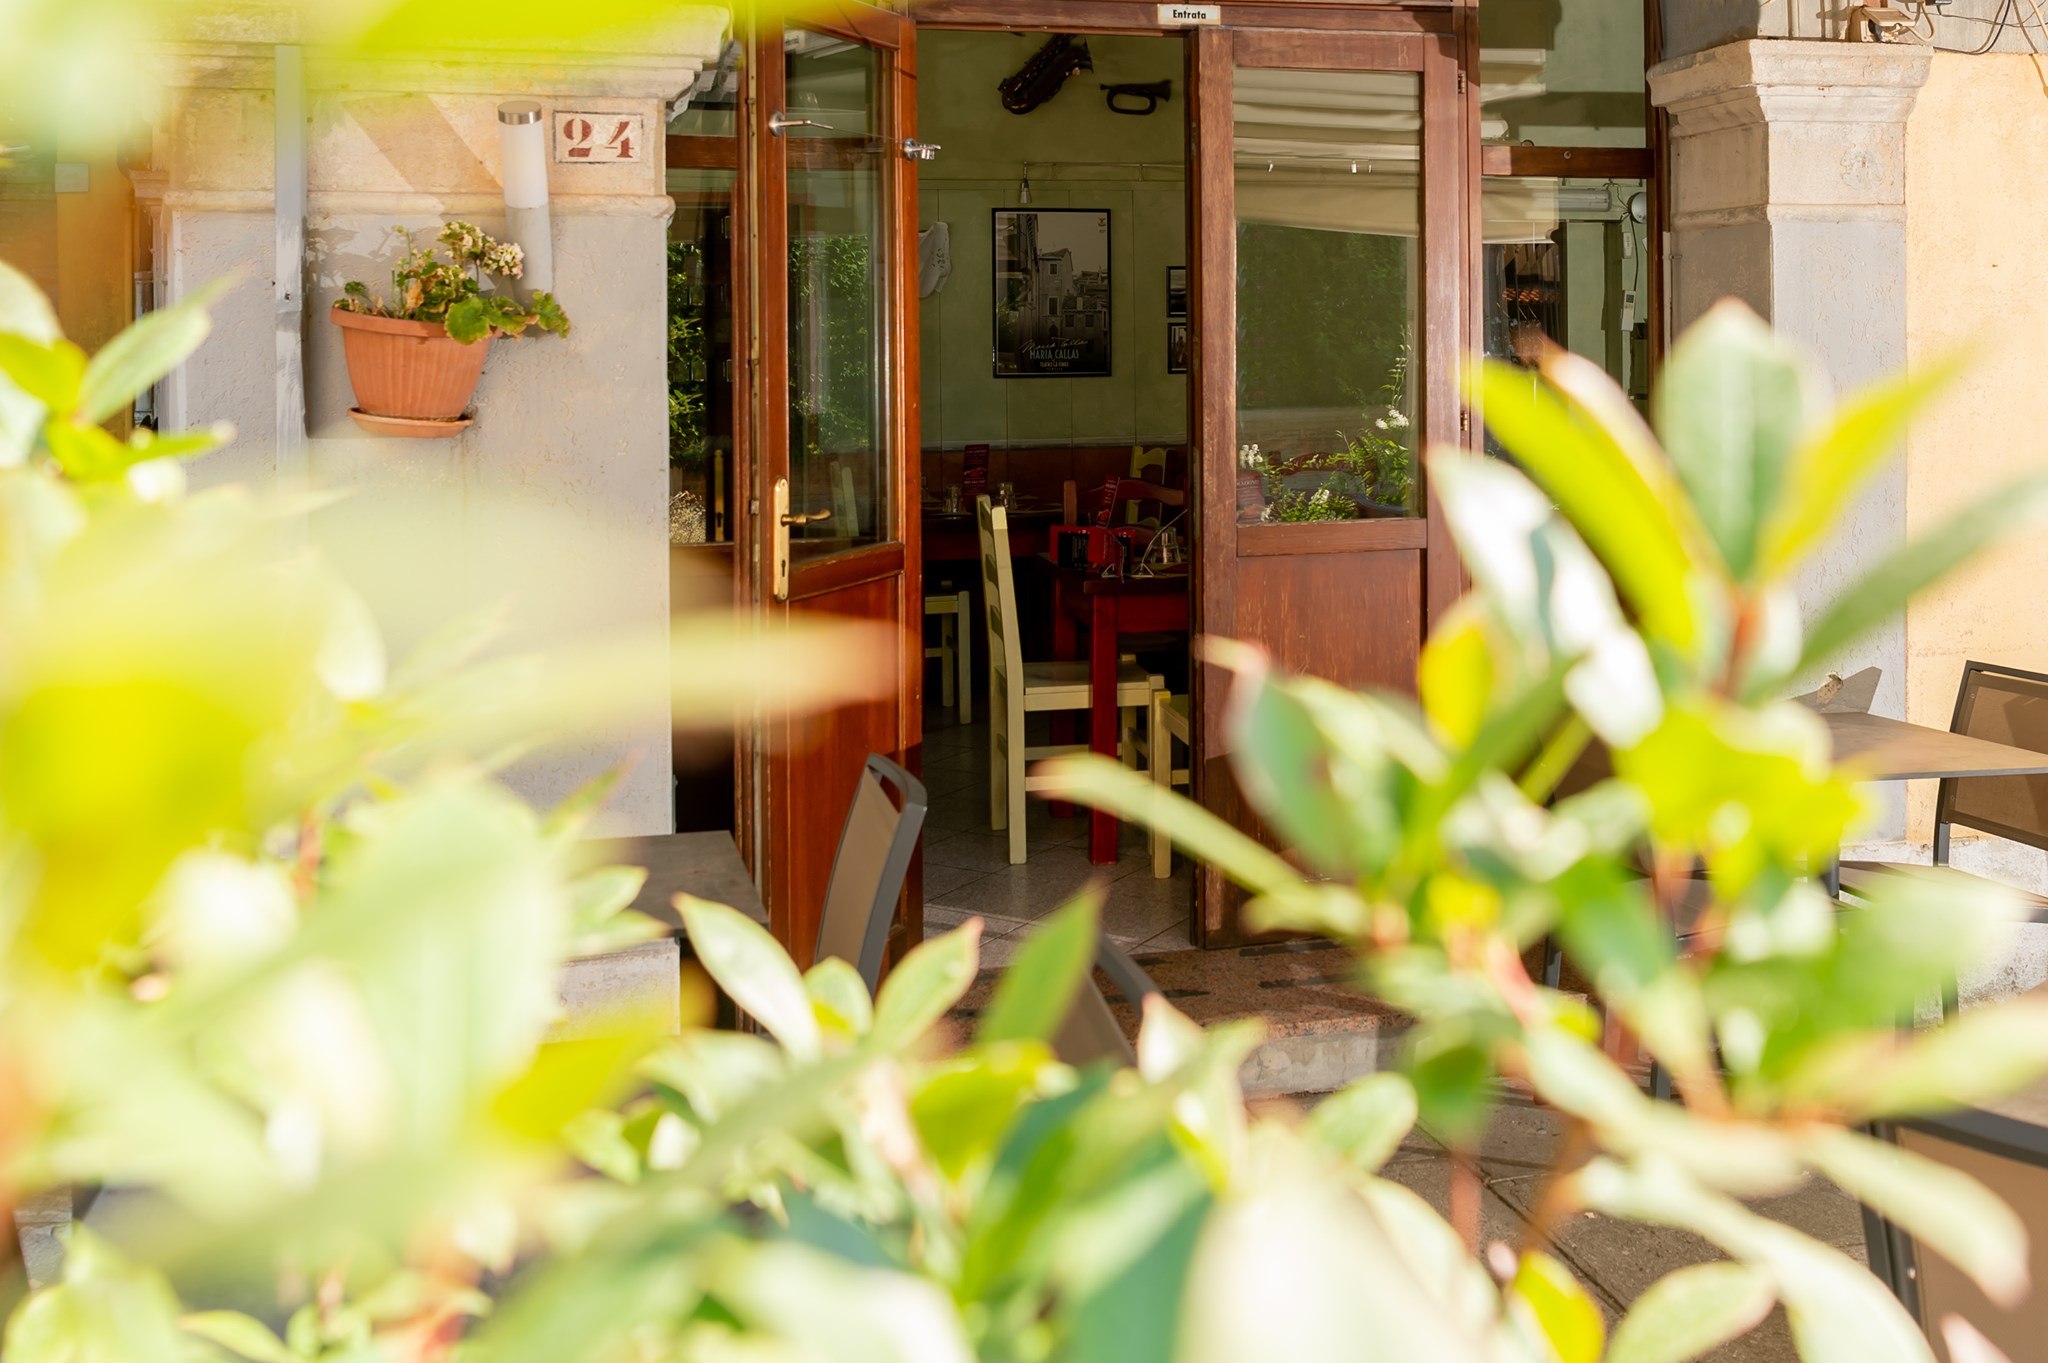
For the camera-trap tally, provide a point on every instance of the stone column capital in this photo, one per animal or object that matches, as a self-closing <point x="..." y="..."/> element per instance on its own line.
<point x="1790" y="80"/>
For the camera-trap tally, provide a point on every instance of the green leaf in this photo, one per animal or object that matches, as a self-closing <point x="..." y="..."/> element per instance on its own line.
<point x="1883" y="592"/>
<point x="50" y="372"/>
<point x="1036" y="992"/>
<point x="1453" y="1088"/>
<point x="1831" y="465"/>
<point x="1944" y="1208"/>
<point x="239" y="1334"/>
<point x="24" y="311"/>
<point x="754" y="970"/>
<point x="1609" y="480"/>
<point x="149" y="444"/>
<point x="548" y="314"/>
<point x="1838" y="1311"/>
<point x="599" y="1140"/>
<point x="469" y="319"/>
<point x="1692" y="1312"/>
<point x="105" y="1311"/>
<point x="88" y="453"/>
<point x="1289" y="1268"/>
<point x="157" y="343"/>
<point x="1562" y="1308"/>
<point x="825" y="1307"/>
<point x="925" y="984"/>
<point x="1366" y="1121"/>
<point x="840" y="996"/>
<point x="1110" y="785"/>
<point x="1731" y="406"/>
<point x="965" y="1104"/>
<point x="26" y="316"/>
<point x="1986" y="1053"/>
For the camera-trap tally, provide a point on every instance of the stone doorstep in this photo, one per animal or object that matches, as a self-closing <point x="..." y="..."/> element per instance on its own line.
<point x="1320" y="1032"/>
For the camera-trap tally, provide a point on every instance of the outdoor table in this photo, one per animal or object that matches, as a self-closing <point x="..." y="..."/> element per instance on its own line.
<point x="706" y="865"/>
<point x="1895" y="750"/>
<point x="1108" y="608"/>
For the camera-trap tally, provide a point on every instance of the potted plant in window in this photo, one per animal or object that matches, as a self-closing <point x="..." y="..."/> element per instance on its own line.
<point x="414" y="359"/>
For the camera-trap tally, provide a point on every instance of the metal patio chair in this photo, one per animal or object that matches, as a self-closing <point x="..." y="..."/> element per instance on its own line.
<point x="868" y="871"/>
<point x="2004" y="705"/>
<point x="1091" y="1032"/>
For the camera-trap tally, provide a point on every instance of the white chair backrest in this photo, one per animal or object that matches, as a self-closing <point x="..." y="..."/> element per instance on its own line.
<point x="1005" y="654"/>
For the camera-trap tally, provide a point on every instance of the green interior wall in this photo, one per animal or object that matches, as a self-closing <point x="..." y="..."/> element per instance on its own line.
<point x="1082" y="156"/>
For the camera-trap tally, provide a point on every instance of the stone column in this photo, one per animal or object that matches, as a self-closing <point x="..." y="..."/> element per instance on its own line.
<point x="1788" y="191"/>
<point x="555" y="499"/>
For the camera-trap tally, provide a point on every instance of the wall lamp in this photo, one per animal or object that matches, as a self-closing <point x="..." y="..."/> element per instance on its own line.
<point x="522" y="147"/>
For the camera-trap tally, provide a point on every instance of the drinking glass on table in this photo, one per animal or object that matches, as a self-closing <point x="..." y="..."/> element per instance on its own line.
<point x="952" y="499"/>
<point x="1006" y="494"/>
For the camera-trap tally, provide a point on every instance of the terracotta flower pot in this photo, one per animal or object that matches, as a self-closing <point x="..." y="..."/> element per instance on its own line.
<point x="408" y="371"/>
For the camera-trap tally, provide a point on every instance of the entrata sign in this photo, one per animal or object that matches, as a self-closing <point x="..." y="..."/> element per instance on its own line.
<point x="1183" y="16"/>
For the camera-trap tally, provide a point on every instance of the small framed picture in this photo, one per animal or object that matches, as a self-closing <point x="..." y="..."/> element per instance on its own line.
<point x="1176" y="291"/>
<point x="1177" y="346"/>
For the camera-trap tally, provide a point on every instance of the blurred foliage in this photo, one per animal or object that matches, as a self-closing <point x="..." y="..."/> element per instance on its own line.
<point x="278" y="954"/>
<point x="1632" y="606"/>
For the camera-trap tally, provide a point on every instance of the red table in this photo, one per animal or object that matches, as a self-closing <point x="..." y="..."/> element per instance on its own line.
<point x="954" y="537"/>
<point x="1108" y="608"/>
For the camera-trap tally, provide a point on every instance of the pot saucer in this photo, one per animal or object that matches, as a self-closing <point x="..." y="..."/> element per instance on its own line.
<point x="413" y="427"/>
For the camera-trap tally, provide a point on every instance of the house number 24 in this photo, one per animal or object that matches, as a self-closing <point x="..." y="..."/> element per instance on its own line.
<point x="587" y="139"/>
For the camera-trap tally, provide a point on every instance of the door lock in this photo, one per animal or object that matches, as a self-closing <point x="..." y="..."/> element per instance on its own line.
<point x="782" y="520"/>
<point x="914" y="150"/>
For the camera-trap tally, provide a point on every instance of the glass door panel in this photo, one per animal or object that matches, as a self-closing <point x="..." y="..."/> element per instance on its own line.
<point x="1328" y="174"/>
<point x="838" y="330"/>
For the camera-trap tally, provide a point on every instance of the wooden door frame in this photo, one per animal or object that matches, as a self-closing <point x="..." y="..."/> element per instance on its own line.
<point x="1448" y="285"/>
<point x="762" y="225"/>
<point x="1453" y="26"/>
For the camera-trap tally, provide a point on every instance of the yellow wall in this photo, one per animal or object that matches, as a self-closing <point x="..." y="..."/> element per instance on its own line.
<point x="96" y="251"/>
<point x="1976" y="202"/>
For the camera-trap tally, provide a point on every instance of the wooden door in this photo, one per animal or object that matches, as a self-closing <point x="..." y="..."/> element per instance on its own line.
<point x="1329" y="249"/>
<point x="832" y="528"/>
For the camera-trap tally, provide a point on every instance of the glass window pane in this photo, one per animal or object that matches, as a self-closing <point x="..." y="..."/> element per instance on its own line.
<point x="1562" y="75"/>
<point x="1567" y="264"/>
<point x="838" y="462"/>
<point x="700" y="414"/>
<point x="709" y="106"/>
<point x="1329" y="212"/>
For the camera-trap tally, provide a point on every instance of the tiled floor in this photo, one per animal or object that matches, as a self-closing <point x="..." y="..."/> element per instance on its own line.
<point x="967" y="870"/>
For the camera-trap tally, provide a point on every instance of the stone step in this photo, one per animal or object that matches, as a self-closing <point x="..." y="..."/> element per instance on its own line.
<point x="1321" y="1033"/>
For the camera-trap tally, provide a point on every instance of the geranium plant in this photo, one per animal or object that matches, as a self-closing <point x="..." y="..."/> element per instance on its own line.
<point x="427" y="288"/>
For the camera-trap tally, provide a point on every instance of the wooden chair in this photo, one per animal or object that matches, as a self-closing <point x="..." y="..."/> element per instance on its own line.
<point x="1169" y="722"/>
<point x="2003" y="705"/>
<point x="955" y="650"/>
<point x="1017" y="688"/>
<point x="870" y="866"/>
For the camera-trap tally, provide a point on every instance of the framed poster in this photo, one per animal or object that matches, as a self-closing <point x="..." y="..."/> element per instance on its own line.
<point x="1177" y="346"/>
<point x="1176" y="291"/>
<point x="1051" y="292"/>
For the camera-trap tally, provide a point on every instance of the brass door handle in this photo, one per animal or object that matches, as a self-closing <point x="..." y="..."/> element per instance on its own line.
<point x="808" y="518"/>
